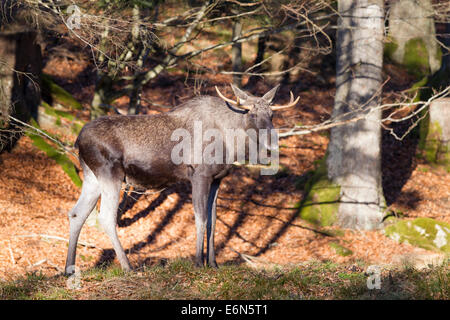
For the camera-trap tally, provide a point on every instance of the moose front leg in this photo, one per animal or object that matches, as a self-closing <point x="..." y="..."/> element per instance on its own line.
<point x="200" y="193"/>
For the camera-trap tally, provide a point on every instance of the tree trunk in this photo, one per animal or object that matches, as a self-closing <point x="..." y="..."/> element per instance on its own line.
<point x="135" y="96"/>
<point x="19" y="81"/>
<point x="354" y="151"/>
<point x="413" y="37"/>
<point x="100" y="102"/>
<point x="446" y="54"/>
<point x="259" y="59"/>
<point x="434" y="129"/>
<point x="236" y="53"/>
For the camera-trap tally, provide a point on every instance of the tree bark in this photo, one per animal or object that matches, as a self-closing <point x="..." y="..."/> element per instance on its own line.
<point x="135" y="96"/>
<point x="100" y="101"/>
<point x="19" y="81"/>
<point x="259" y="59"/>
<point x="236" y="53"/>
<point x="354" y="151"/>
<point x="434" y="129"/>
<point x="413" y="35"/>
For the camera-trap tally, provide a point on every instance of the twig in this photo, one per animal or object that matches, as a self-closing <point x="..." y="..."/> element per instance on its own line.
<point x="55" y="267"/>
<point x="338" y="122"/>
<point x="11" y="253"/>
<point x="42" y="133"/>
<point x="46" y="236"/>
<point x="38" y="263"/>
<point x="245" y="257"/>
<point x="253" y="261"/>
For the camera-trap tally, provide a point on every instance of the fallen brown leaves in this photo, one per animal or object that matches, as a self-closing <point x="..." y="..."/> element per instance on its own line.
<point x="256" y="217"/>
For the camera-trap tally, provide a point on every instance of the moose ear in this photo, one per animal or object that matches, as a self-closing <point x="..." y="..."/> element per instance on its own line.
<point x="239" y="93"/>
<point x="271" y="94"/>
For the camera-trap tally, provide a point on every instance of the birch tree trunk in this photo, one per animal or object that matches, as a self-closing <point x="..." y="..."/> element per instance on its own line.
<point x="354" y="151"/>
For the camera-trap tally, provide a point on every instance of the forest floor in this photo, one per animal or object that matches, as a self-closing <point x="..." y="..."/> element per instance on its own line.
<point x="257" y="225"/>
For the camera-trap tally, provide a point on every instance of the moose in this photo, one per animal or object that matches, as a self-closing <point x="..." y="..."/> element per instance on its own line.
<point x="137" y="149"/>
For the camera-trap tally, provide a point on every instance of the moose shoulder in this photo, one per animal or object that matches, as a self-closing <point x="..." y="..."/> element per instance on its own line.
<point x="139" y="150"/>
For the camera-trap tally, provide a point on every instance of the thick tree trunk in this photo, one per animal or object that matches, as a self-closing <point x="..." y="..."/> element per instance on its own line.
<point x="19" y="81"/>
<point x="434" y="142"/>
<point x="354" y="151"/>
<point x="413" y="36"/>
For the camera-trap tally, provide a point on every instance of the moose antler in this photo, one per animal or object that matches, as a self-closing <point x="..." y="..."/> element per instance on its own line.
<point x="290" y="104"/>
<point x="237" y="103"/>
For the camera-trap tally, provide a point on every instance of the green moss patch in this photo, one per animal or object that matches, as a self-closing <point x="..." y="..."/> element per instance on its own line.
<point x="320" y="205"/>
<point x="431" y="145"/>
<point x="55" y="154"/>
<point x="389" y="48"/>
<point x="58" y="94"/>
<point x="62" y="119"/>
<point x="340" y="250"/>
<point x="416" y="57"/>
<point x="425" y="233"/>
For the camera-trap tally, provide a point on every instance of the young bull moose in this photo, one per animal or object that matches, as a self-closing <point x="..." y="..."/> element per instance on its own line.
<point x="138" y="150"/>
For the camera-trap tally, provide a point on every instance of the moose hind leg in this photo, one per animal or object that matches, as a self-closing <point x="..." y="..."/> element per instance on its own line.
<point x="110" y="194"/>
<point x="90" y="192"/>
<point x="200" y="192"/>
<point x="211" y="224"/>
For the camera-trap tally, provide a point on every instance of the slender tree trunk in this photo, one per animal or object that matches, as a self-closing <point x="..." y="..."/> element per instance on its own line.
<point x="259" y="59"/>
<point x="135" y="95"/>
<point x="99" y="104"/>
<point x="354" y="151"/>
<point x="236" y="53"/>
<point x="103" y="85"/>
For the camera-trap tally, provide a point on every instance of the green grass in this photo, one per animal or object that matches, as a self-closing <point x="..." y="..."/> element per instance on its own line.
<point x="180" y="279"/>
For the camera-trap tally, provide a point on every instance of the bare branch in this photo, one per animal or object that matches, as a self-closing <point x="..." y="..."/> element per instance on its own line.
<point x="353" y="116"/>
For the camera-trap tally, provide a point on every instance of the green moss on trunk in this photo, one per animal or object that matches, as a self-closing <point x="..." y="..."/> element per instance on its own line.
<point x="321" y="203"/>
<point x="416" y="57"/>
<point x="431" y="145"/>
<point x="389" y="48"/>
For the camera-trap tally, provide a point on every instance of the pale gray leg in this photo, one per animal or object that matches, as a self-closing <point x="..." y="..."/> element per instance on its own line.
<point x="110" y="193"/>
<point x="211" y="224"/>
<point x="90" y="193"/>
<point x="200" y="192"/>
